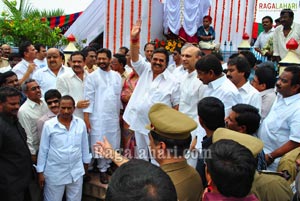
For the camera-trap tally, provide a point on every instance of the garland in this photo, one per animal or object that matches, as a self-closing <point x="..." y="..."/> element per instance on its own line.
<point x="215" y="17"/>
<point x="107" y="23"/>
<point x="230" y="21"/>
<point x="246" y="13"/>
<point x="238" y="17"/>
<point x="149" y="19"/>
<point x="122" y="23"/>
<point x="221" y="31"/>
<point x="115" y="25"/>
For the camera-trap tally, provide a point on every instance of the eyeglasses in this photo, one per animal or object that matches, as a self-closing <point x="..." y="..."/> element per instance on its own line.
<point x="35" y="88"/>
<point x="50" y="102"/>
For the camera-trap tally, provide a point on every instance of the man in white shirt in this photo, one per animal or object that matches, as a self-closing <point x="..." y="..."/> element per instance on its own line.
<point x="238" y="72"/>
<point x="264" y="36"/>
<point x="191" y="90"/>
<point x="63" y="154"/>
<point x="210" y="72"/>
<point x="177" y="60"/>
<point x="155" y="85"/>
<point x="33" y="109"/>
<point x="41" y="55"/>
<point x="280" y="129"/>
<point x="46" y="77"/>
<point x="73" y="83"/>
<point x="264" y="81"/>
<point x="102" y="89"/>
<point x="26" y="67"/>
<point x="284" y="32"/>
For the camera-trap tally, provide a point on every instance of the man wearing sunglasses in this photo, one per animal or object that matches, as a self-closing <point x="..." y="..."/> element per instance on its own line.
<point x="52" y="98"/>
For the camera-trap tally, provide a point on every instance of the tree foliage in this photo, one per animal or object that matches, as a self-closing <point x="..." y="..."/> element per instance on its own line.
<point x="28" y="23"/>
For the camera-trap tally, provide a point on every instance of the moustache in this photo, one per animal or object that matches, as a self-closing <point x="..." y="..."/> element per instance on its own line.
<point x="277" y="86"/>
<point x="158" y="65"/>
<point x="229" y="76"/>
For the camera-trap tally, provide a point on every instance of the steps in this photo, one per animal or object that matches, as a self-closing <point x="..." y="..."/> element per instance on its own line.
<point x="94" y="190"/>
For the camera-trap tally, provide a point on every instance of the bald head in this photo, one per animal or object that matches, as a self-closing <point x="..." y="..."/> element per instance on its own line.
<point x="6" y="50"/>
<point x="54" y="60"/>
<point x="190" y="55"/>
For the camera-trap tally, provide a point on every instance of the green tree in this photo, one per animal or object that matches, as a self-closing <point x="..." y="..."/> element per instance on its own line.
<point x="28" y="23"/>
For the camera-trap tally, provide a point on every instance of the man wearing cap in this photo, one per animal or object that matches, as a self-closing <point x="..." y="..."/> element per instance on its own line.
<point x="265" y="186"/>
<point x="156" y="85"/>
<point x="170" y="137"/>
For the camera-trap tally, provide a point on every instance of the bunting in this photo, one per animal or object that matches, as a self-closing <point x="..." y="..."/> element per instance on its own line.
<point x="63" y="22"/>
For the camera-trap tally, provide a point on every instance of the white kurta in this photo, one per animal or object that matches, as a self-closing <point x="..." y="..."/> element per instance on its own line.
<point x="103" y="90"/>
<point x="163" y="89"/>
<point x="71" y="84"/>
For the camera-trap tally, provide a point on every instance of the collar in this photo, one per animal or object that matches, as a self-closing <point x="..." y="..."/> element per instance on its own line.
<point x="170" y="167"/>
<point x="289" y="100"/>
<point x="33" y="104"/>
<point x="262" y="93"/>
<point x="270" y="31"/>
<point x="246" y="87"/>
<point x="192" y="74"/>
<point x="218" y="82"/>
<point x="56" y="122"/>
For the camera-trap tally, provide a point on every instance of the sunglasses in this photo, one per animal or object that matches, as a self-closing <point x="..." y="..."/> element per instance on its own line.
<point x="50" y="102"/>
<point x="35" y="88"/>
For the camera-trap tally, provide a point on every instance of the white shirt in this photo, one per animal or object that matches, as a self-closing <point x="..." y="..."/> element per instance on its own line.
<point x="163" y="89"/>
<point x="71" y="84"/>
<point x="191" y="90"/>
<point x="281" y="125"/>
<point x="279" y="40"/>
<point x="268" y="97"/>
<point x="179" y="73"/>
<point x="21" y="68"/>
<point x="223" y="89"/>
<point x="28" y="115"/>
<point x="62" y="152"/>
<point x="250" y="95"/>
<point x="41" y="63"/>
<point x="103" y="90"/>
<point x="47" y="79"/>
<point x="263" y="38"/>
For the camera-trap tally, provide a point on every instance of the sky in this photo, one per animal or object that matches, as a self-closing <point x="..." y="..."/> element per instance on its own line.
<point x="69" y="6"/>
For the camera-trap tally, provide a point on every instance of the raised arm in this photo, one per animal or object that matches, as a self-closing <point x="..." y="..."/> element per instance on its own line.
<point x="135" y="41"/>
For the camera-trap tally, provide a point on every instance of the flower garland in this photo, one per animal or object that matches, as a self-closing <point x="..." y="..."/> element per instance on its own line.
<point x="170" y="44"/>
<point x="122" y="23"/>
<point x="238" y="17"/>
<point x="221" y="30"/>
<point x="107" y="23"/>
<point x="246" y="13"/>
<point x="230" y="21"/>
<point x="115" y="26"/>
<point x="149" y="19"/>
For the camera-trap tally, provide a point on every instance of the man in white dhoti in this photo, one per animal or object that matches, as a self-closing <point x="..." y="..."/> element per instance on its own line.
<point x="103" y="89"/>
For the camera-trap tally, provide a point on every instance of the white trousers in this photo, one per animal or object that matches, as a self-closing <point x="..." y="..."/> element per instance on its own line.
<point x="143" y="149"/>
<point x="56" y="192"/>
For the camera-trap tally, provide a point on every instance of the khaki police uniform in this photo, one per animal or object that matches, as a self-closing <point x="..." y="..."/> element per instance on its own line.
<point x="169" y="123"/>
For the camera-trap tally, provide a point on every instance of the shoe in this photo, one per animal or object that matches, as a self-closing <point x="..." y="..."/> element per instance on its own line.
<point x="109" y="171"/>
<point x="103" y="178"/>
<point x="87" y="178"/>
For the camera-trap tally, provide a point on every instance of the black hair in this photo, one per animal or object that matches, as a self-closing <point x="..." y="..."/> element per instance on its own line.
<point x="105" y="51"/>
<point x="211" y="111"/>
<point x="231" y="167"/>
<point x="77" y="53"/>
<point x="67" y="97"/>
<point x="8" y="92"/>
<point x="5" y="75"/>
<point x="52" y="93"/>
<point x="242" y="65"/>
<point x="38" y="46"/>
<point x="268" y="17"/>
<point x="250" y="57"/>
<point x="88" y="49"/>
<point x="247" y="115"/>
<point x="163" y="51"/>
<point x="266" y="75"/>
<point x="139" y="180"/>
<point x="121" y="59"/>
<point x="288" y="11"/>
<point x="24" y="47"/>
<point x="209" y="62"/>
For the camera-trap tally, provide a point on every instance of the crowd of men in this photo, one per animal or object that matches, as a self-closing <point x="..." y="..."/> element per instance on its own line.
<point x="60" y="122"/>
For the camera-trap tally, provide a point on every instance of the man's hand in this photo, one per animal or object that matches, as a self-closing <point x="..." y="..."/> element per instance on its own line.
<point x="83" y="104"/>
<point x="31" y="67"/>
<point x="41" y="179"/>
<point x="33" y="159"/>
<point x="87" y="122"/>
<point x="104" y="149"/>
<point x="136" y="29"/>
